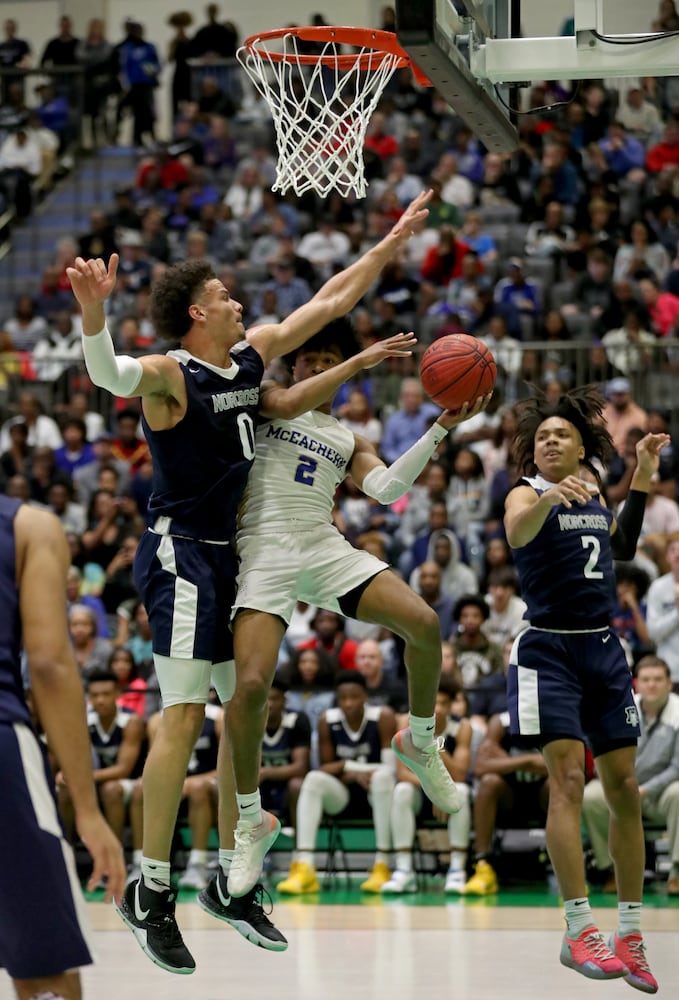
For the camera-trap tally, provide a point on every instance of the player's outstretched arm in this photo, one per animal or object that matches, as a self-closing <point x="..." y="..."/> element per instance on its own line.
<point x="43" y="560"/>
<point x="627" y="528"/>
<point x="342" y="292"/>
<point x="526" y="512"/>
<point x="92" y="282"/>
<point x="388" y="483"/>
<point x="312" y="392"/>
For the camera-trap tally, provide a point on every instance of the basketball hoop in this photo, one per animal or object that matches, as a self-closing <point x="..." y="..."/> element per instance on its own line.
<point x="321" y="103"/>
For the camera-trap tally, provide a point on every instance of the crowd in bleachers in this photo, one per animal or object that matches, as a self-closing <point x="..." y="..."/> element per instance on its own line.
<point x="574" y="238"/>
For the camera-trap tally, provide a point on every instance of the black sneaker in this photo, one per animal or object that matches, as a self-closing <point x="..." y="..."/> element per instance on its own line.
<point x="150" y="917"/>
<point x="244" y="913"/>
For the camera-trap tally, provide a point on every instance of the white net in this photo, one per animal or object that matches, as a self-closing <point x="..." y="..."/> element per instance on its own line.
<point x="320" y="111"/>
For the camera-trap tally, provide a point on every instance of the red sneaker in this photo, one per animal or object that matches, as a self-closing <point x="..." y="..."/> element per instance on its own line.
<point x="589" y="955"/>
<point x="630" y="949"/>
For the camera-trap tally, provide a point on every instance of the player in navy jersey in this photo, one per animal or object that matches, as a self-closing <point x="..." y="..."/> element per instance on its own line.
<point x="568" y="681"/>
<point x="200" y="406"/>
<point x="43" y="932"/>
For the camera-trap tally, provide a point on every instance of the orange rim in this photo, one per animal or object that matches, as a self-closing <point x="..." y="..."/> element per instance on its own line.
<point x="384" y="43"/>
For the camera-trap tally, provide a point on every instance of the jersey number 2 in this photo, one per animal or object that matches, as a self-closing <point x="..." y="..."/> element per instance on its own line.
<point x="593" y="543"/>
<point x="304" y="472"/>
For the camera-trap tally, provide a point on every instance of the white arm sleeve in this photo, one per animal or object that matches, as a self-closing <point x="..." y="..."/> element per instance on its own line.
<point x="120" y="375"/>
<point x="388" y="483"/>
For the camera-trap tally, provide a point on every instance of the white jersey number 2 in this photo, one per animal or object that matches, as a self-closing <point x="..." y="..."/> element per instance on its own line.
<point x="304" y="472"/>
<point x="593" y="543"/>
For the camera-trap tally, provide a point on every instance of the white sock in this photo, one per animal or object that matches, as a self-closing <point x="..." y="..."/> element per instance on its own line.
<point x="381" y="856"/>
<point x="422" y="730"/>
<point x="136" y="858"/>
<point x="250" y="808"/>
<point x="578" y="916"/>
<point x="305" y="858"/>
<point x="629" y="919"/>
<point x="404" y="861"/>
<point x="225" y="859"/>
<point x="156" y="874"/>
<point x="197" y="857"/>
<point x="458" y="861"/>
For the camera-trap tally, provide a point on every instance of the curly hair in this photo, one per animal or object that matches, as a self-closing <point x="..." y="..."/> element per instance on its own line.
<point x="339" y="333"/>
<point x="582" y="407"/>
<point x="172" y="294"/>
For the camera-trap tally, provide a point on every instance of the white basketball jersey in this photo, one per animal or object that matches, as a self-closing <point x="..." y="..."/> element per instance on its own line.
<point x="298" y="466"/>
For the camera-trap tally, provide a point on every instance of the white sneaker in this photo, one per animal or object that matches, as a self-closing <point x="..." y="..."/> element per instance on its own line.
<point x="455" y="882"/>
<point x="195" y="877"/>
<point x="427" y="765"/>
<point x="401" y="881"/>
<point x="252" y="843"/>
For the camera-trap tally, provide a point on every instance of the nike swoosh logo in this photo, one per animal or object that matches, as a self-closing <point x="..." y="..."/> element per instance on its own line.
<point x="138" y="912"/>
<point x="606" y="639"/>
<point x="430" y="729"/>
<point x="194" y="371"/>
<point x="580" y="902"/>
<point x="224" y="900"/>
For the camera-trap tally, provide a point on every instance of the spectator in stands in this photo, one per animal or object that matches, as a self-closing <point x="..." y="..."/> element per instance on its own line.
<point x="60" y="501"/>
<point x="75" y="595"/>
<point x="62" y="49"/>
<point x="95" y="53"/>
<point x="640" y="116"/>
<point x="14" y="51"/>
<point x="291" y="292"/>
<point x="324" y="248"/>
<point x="427" y="581"/>
<point x="356" y="414"/>
<point x="119" y="585"/>
<point x="476" y="655"/>
<point x="55" y="110"/>
<point x="382" y="688"/>
<point x="507" y="610"/>
<point x="662" y="612"/>
<point x="410" y="421"/>
<point x="127" y="446"/>
<point x="663" y="307"/>
<point x="511" y="783"/>
<point x="640" y="254"/>
<point x="106" y="528"/>
<point x="621" y="413"/>
<point x="44" y="473"/>
<point x="624" y="154"/>
<point x="409" y="803"/>
<point x="497" y="186"/>
<point x="550" y="236"/>
<point x="555" y="166"/>
<point x="630" y="348"/>
<point x="245" y="196"/>
<point x="468" y="503"/>
<point x="139" y="71"/>
<point x="90" y="650"/>
<point x="441" y="213"/>
<point x="214" y="39"/>
<point x="657" y="768"/>
<point x="116" y="739"/>
<point x="629" y="617"/>
<point x="42" y="430"/>
<point x="310" y="679"/>
<point x="179" y="50"/>
<point x="355" y="779"/>
<point x="517" y="291"/>
<point x="133" y="688"/>
<point x="86" y="479"/>
<point x="17" y="458"/>
<point x="20" y="166"/>
<point x="286" y="752"/>
<point x="665" y="153"/>
<point x="378" y="139"/>
<point x="443" y="262"/>
<point x="100" y="240"/>
<point x="667" y="19"/>
<point x="25" y="327"/>
<point x="328" y="629"/>
<point x="60" y="350"/>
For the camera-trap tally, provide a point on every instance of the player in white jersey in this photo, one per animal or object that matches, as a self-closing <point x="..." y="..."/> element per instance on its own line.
<point x="289" y="550"/>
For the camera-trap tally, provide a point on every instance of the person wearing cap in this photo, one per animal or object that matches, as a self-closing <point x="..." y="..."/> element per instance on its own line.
<point x="621" y="413"/>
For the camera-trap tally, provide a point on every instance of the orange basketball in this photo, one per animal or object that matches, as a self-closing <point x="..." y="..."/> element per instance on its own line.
<point x="457" y="370"/>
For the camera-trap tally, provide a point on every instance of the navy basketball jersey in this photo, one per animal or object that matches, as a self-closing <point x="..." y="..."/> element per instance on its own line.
<point x="566" y="571"/>
<point x="13" y="706"/>
<point x="294" y="731"/>
<point x="106" y="743"/>
<point x="364" y="745"/>
<point x="201" y="465"/>
<point x="204" y="753"/>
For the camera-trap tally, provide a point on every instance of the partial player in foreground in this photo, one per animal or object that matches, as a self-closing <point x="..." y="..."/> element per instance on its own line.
<point x="568" y="680"/>
<point x="43" y="932"/>
<point x="290" y="550"/>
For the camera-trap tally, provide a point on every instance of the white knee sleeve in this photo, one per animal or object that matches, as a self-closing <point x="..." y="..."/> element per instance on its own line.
<point x="182" y="682"/>
<point x="224" y="679"/>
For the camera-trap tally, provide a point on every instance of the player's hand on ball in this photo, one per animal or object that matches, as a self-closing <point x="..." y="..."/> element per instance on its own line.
<point x="451" y="418"/>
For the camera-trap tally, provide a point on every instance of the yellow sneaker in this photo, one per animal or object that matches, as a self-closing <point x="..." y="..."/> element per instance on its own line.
<point x="377" y="878"/>
<point x="301" y="880"/>
<point x="483" y="882"/>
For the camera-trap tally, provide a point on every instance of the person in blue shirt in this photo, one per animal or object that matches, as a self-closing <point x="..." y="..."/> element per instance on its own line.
<point x="409" y="423"/>
<point x="139" y="69"/>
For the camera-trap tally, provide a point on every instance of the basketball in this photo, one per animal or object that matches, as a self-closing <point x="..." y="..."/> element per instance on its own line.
<point x="456" y="370"/>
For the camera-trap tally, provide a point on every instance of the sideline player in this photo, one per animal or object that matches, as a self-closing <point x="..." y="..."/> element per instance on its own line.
<point x="43" y="932"/>
<point x="290" y="551"/>
<point x="200" y="406"/>
<point x="568" y="680"/>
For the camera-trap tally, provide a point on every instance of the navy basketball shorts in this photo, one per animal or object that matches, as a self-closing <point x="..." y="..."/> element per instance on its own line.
<point x="43" y="926"/>
<point x="573" y="685"/>
<point x="188" y="588"/>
